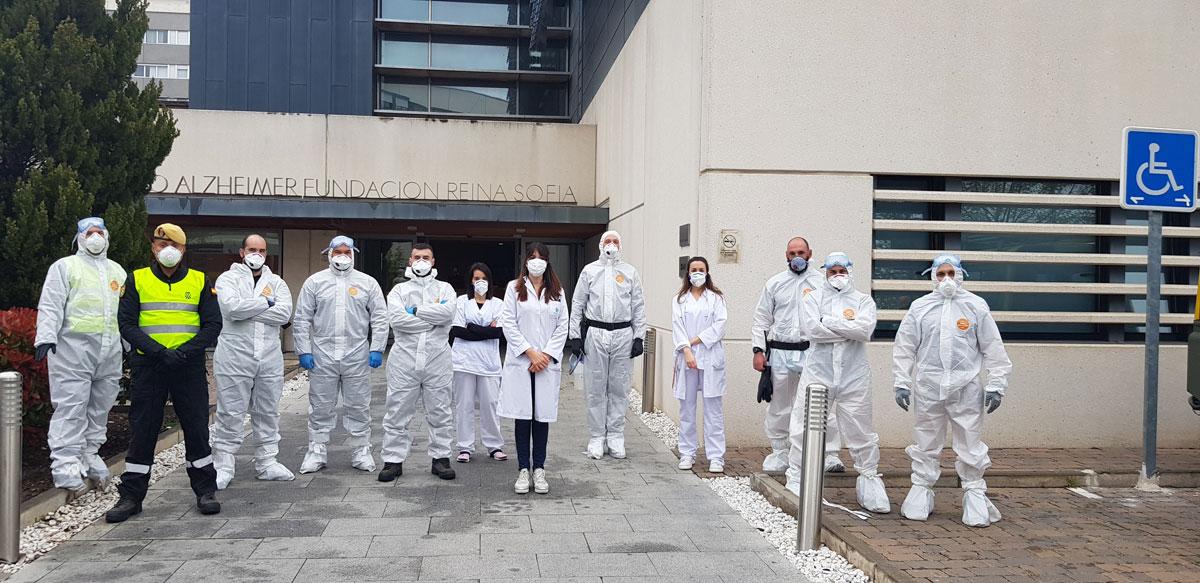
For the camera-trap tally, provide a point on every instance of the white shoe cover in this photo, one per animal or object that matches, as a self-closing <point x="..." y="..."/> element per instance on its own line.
<point x="95" y="469"/>
<point x="833" y="463"/>
<point x="978" y="511"/>
<point x="362" y="459"/>
<point x="274" y="471"/>
<point x="224" y="464"/>
<point x="793" y="486"/>
<point x="616" y="447"/>
<point x="918" y="504"/>
<point x="686" y="462"/>
<point x="872" y="495"/>
<point x="777" y="461"/>
<point x="69" y="477"/>
<point x="595" y="448"/>
<point x="315" y="459"/>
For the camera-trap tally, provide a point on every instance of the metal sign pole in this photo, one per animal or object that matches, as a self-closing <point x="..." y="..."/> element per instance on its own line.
<point x="1153" y="293"/>
<point x="10" y="466"/>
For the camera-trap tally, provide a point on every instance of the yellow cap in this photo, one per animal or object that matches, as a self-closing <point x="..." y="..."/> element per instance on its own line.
<point x="170" y="231"/>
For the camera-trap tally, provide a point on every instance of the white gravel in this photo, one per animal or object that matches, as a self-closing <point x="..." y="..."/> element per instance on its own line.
<point x="300" y="381"/>
<point x="40" y="537"/>
<point x="821" y="566"/>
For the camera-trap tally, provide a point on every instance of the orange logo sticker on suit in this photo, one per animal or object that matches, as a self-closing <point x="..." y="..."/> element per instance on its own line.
<point x="113" y="285"/>
<point x="807" y="290"/>
<point x="848" y="313"/>
<point x="620" y="278"/>
<point x="963" y="324"/>
<point x="266" y="291"/>
<point x="353" y="291"/>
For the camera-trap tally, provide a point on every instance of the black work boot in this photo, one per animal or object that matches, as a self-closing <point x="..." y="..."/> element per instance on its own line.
<point x="391" y="471"/>
<point x="124" y="508"/>
<point x="441" y="468"/>
<point x="207" y="503"/>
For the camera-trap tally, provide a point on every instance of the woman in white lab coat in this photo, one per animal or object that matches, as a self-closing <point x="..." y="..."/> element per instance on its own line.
<point x="534" y="319"/>
<point x="698" y="315"/>
<point x="476" y="333"/>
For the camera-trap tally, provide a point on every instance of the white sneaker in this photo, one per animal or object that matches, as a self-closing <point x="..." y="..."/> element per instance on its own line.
<point x="716" y="466"/>
<point x="686" y="462"/>
<point x="616" y="447"/>
<point x="834" y="464"/>
<point x="315" y="459"/>
<point x="595" y="448"/>
<point x="363" y="459"/>
<point x="224" y="463"/>
<point x="273" y="471"/>
<point x="522" y="484"/>
<point x="540" y="485"/>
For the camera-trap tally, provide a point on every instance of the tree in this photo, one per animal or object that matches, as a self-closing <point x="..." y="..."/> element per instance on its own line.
<point x="77" y="136"/>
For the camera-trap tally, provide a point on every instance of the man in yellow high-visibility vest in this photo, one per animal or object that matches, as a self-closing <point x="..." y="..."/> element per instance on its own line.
<point x="169" y="315"/>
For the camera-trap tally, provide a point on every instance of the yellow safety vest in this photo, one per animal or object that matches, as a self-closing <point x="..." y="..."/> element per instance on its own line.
<point x="170" y="313"/>
<point x="92" y="301"/>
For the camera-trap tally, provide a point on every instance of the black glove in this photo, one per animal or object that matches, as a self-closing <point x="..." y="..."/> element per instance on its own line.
<point x="172" y="357"/>
<point x="638" y="348"/>
<point x="574" y="346"/>
<point x="41" y="350"/>
<point x="992" y="401"/>
<point x="766" y="387"/>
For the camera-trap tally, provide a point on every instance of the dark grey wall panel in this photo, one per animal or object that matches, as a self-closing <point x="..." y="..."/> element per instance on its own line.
<point x="601" y="28"/>
<point x="296" y="56"/>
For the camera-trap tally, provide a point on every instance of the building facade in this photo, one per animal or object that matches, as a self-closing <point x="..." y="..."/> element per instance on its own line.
<point x="166" y="48"/>
<point x="890" y="132"/>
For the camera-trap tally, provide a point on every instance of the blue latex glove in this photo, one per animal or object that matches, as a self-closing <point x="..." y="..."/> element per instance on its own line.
<point x="270" y="303"/>
<point x="376" y="359"/>
<point x="444" y="301"/>
<point x="306" y="362"/>
<point x="412" y="310"/>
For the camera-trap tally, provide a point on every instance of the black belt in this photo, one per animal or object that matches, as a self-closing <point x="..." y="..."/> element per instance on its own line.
<point x="777" y="345"/>
<point x="590" y="323"/>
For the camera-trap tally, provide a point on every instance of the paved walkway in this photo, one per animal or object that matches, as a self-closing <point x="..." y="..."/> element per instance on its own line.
<point x="610" y="520"/>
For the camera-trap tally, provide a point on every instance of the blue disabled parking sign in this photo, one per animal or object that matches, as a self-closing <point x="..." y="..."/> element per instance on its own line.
<point x="1158" y="170"/>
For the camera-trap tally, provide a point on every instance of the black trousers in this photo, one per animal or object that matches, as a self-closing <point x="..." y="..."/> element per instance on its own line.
<point x="531" y="430"/>
<point x="188" y="389"/>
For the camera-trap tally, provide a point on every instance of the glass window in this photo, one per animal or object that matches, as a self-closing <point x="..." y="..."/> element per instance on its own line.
<point x="156" y="37"/>
<point x="404" y="9"/>
<point x="398" y="94"/>
<point x="1029" y="186"/>
<point x="483" y="12"/>
<point x="403" y="50"/>
<point x="543" y="99"/>
<point x="213" y="250"/>
<point x="184" y="38"/>
<point x="551" y="57"/>
<point x="159" y="71"/>
<point x="182" y="72"/>
<point x="450" y="52"/>
<point x="903" y="240"/>
<point x="140" y="71"/>
<point x="475" y="98"/>
<point x="554" y="12"/>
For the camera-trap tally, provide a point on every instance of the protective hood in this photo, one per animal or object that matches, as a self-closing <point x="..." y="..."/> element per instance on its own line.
<point x="412" y="275"/>
<point x="83" y="248"/>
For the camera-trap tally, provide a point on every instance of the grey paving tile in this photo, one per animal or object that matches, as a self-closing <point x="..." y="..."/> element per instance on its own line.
<point x="376" y="526"/>
<point x="316" y="547"/>
<point x="356" y="570"/>
<point x="428" y="545"/>
<point x="529" y="505"/>
<point x="736" y="522"/>
<point x="547" y="580"/>
<point x="508" y="566"/>
<point x="197" y="549"/>
<point x="694" y="579"/>
<point x="329" y="509"/>
<point x="145" y="572"/>
<point x="479" y="524"/>
<point x="676" y="522"/>
<point x="675" y="477"/>
<point x="389" y="494"/>
<point x="595" y="565"/>
<point x="238" y="571"/>
<point x="742" y="564"/>
<point x="643" y="506"/>
<point x="272" y="527"/>
<point x="639" y="542"/>
<point x="95" y="550"/>
<point x="32" y="572"/>
<point x="260" y="495"/>
<point x="136" y="528"/>
<point x="247" y="509"/>
<point x="696" y="506"/>
<point x="587" y="523"/>
<point x="723" y="540"/>
<point x="462" y="505"/>
<point x="94" y="531"/>
<point x="534" y="543"/>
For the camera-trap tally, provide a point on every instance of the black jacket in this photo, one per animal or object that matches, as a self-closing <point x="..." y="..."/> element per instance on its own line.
<point x="131" y="308"/>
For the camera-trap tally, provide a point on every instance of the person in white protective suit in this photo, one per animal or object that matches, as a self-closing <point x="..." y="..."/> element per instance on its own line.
<point x="945" y="340"/>
<point x="419" y="367"/>
<point x="476" y="333"/>
<point x="248" y="362"/>
<point x="698" y="316"/>
<point x="608" y="325"/>
<point x="838" y="321"/>
<point x="340" y="328"/>
<point x="779" y="345"/>
<point x="77" y="330"/>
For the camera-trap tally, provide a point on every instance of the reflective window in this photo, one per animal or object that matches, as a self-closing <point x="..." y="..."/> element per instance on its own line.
<point x="482" y="12"/>
<point x="1029" y="186"/>
<point x="213" y="250"/>
<point x="403" y="50"/>
<point x="551" y="57"/>
<point x="404" y="9"/>
<point x="554" y="12"/>
<point x="543" y="99"/>
<point x="476" y="98"/>
<point x="398" y="94"/>
<point x="473" y="53"/>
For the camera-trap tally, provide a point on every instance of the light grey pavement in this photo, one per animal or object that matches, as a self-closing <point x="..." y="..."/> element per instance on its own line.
<point x="631" y="520"/>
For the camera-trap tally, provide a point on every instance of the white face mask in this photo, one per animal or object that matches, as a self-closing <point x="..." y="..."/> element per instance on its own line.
<point x="481" y="287"/>
<point x="341" y="262"/>
<point x="610" y="251"/>
<point x="95" y="243"/>
<point x="536" y="267"/>
<point x="698" y="278"/>
<point x="169" y="257"/>
<point x="947" y="287"/>
<point x="839" y="282"/>
<point x="422" y="267"/>
<point x="254" y="261"/>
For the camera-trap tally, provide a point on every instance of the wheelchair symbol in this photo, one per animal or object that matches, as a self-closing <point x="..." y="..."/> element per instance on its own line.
<point x="1153" y="166"/>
